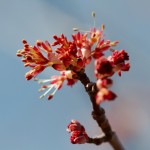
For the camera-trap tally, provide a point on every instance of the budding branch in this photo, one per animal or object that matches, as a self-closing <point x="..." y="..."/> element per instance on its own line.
<point x="99" y="116"/>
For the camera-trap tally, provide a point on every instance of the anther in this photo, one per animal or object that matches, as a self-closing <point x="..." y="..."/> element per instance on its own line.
<point x="93" y="14"/>
<point x="38" y="42"/>
<point x="103" y="27"/>
<point x="75" y="29"/>
<point x="50" y="96"/>
<point x="24" y="41"/>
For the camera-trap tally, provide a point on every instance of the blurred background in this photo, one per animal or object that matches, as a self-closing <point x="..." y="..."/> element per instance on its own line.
<point x="27" y="123"/>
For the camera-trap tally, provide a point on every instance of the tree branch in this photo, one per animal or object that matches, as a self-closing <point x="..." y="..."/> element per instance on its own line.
<point x="99" y="116"/>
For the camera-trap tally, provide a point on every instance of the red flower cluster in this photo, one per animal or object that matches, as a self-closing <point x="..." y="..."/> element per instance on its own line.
<point x="72" y="56"/>
<point x="105" y="68"/>
<point x="78" y="134"/>
<point x="35" y="59"/>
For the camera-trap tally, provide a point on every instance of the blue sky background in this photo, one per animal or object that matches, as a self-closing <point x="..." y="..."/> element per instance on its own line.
<point x="27" y="123"/>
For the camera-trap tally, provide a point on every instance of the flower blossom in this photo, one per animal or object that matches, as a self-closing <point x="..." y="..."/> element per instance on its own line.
<point x="33" y="57"/>
<point x="77" y="131"/>
<point x="56" y="82"/>
<point x="72" y="56"/>
<point x="83" y="47"/>
<point x="95" y="35"/>
<point x="104" y="83"/>
<point x="119" y="59"/>
<point x="106" y="67"/>
<point x="103" y="68"/>
<point x="101" y="44"/>
<point x="104" y="93"/>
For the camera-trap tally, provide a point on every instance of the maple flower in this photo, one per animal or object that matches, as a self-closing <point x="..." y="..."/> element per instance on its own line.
<point x="72" y="56"/>
<point x="56" y="82"/>
<point x="101" y="44"/>
<point x="103" y="68"/>
<point x="119" y="56"/>
<point x="95" y="35"/>
<point x="83" y="47"/>
<point x="80" y="39"/>
<point x="106" y="83"/>
<point x="78" y="134"/>
<point x="76" y="54"/>
<point x="33" y="57"/>
<point x="104" y="94"/>
<point x="66" y="51"/>
<point x="119" y="59"/>
<point x="34" y="72"/>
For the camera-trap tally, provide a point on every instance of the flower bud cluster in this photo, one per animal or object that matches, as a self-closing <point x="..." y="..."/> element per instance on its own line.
<point x="105" y="67"/>
<point x="72" y="56"/>
<point x="77" y="131"/>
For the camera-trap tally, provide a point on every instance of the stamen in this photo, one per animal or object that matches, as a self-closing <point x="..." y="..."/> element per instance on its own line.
<point x="112" y="50"/>
<point x="55" y="90"/>
<point x="40" y="81"/>
<point x="35" y="79"/>
<point x="50" y="97"/>
<point x="43" y="95"/>
<point x="19" y="55"/>
<point x="94" y="15"/>
<point x="38" y="42"/>
<point x="24" y="41"/>
<point x="75" y="29"/>
<point x="43" y="88"/>
<point x="103" y="27"/>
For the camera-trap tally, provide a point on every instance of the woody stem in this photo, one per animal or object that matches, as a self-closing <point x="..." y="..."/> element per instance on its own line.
<point x="98" y="113"/>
